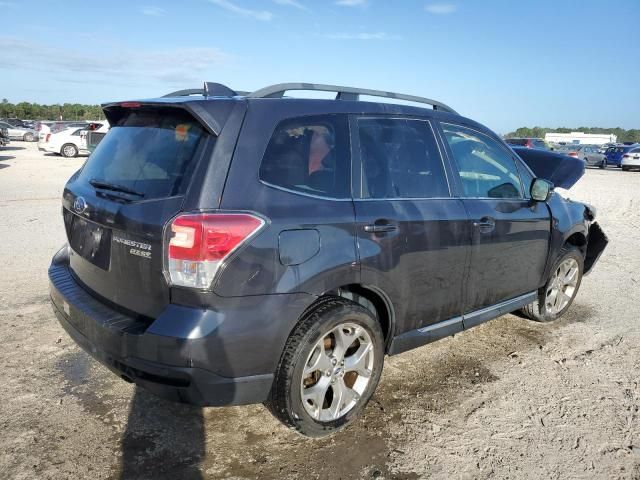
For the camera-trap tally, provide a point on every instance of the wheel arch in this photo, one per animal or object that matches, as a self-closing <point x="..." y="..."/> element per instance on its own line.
<point x="577" y="239"/>
<point x="374" y="300"/>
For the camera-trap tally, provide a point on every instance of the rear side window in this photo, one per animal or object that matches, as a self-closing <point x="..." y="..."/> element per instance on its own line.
<point x="310" y="155"/>
<point x="486" y="169"/>
<point x="400" y="159"/>
<point x="149" y="151"/>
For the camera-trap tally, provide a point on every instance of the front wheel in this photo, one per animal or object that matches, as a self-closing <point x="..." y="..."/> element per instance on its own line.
<point x="555" y="298"/>
<point x="329" y="369"/>
<point x="603" y="164"/>
<point x="28" y="137"/>
<point x="625" y="169"/>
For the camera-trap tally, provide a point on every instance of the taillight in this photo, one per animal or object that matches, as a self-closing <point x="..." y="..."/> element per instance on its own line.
<point x="573" y="154"/>
<point x="200" y="243"/>
<point x="46" y="139"/>
<point x="626" y="156"/>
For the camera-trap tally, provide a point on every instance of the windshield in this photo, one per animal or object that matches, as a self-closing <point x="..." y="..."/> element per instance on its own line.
<point x="149" y="151"/>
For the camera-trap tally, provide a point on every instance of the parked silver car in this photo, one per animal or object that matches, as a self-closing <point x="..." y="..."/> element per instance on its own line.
<point x="19" y="133"/>
<point x="589" y="153"/>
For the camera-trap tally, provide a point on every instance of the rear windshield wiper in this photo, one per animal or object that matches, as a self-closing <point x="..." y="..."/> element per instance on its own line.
<point x="114" y="187"/>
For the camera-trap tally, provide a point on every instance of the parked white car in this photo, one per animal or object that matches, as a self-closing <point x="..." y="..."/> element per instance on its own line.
<point x="631" y="159"/>
<point x="70" y="142"/>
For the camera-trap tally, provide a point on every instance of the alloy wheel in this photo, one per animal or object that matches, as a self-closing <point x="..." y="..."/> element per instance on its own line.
<point x="337" y="372"/>
<point x="562" y="287"/>
<point x="69" y="151"/>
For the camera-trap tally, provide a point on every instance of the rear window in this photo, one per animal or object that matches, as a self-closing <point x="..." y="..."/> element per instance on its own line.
<point x="149" y="151"/>
<point x="516" y="141"/>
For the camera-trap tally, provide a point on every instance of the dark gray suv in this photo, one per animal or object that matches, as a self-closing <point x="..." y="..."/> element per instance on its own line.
<point x="229" y="248"/>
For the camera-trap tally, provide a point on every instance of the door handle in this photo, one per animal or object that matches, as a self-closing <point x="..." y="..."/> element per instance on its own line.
<point x="380" y="228"/>
<point x="485" y="224"/>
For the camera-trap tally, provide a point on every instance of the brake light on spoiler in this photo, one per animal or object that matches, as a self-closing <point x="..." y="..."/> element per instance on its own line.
<point x="199" y="244"/>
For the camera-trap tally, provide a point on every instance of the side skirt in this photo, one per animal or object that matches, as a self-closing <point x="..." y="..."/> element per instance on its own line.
<point x="431" y="333"/>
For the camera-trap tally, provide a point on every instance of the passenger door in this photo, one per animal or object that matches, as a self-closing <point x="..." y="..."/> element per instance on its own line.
<point x="511" y="232"/>
<point x="413" y="236"/>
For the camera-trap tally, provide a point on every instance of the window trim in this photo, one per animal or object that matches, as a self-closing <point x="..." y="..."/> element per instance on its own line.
<point x="345" y="116"/>
<point x="508" y="151"/>
<point x="304" y="194"/>
<point x="357" y="190"/>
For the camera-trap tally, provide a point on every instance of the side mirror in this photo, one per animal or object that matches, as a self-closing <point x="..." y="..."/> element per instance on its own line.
<point x="541" y="190"/>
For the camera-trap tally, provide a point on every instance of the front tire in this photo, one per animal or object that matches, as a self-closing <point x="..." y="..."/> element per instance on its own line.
<point x="69" y="150"/>
<point x="625" y="169"/>
<point x="330" y="367"/>
<point x="555" y="298"/>
<point x="603" y="165"/>
<point x="28" y="137"/>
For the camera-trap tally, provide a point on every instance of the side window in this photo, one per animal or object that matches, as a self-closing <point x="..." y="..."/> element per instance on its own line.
<point x="486" y="169"/>
<point x="310" y="155"/>
<point x="527" y="178"/>
<point x="400" y="159"/>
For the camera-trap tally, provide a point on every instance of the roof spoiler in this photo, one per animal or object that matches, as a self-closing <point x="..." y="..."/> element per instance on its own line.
<point x="211" y="89"/>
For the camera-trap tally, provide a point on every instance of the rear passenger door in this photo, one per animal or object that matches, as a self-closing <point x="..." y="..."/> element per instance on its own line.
<point x="413" y="237"/>
<point x="511" y="232"/>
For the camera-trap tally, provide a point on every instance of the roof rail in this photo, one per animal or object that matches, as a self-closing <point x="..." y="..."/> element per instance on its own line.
<point x="210" y="89"/>
<point x="344" y="93"/>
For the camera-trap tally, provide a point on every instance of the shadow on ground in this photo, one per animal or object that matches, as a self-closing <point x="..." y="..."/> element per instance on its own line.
<point x="162" y="440"/>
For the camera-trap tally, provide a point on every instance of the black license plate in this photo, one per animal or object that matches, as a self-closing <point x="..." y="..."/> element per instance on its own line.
<point x="91" y="241"/>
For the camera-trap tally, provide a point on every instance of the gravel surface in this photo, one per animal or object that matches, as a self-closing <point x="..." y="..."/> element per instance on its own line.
<point x="509" y="399"/>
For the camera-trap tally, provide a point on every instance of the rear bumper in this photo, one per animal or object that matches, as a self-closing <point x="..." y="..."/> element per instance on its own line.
<point x="177" y="364"/>
<point x="630" y="162"/>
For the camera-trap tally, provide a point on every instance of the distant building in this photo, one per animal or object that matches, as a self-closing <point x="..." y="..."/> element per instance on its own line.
<point x="581" y="138"/>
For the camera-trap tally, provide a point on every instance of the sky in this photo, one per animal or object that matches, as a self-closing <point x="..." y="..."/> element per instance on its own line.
<point x="504" y="63"/>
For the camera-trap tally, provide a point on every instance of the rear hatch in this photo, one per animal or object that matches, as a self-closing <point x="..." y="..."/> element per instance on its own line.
<point x="115" y="208"/>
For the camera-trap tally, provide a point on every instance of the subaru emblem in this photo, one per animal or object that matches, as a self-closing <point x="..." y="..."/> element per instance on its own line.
<point x="80" y="204"/>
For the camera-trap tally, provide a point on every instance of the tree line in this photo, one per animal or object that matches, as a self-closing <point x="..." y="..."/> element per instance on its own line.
<point x="623" y="135"/>
<point x="36" y="111"/>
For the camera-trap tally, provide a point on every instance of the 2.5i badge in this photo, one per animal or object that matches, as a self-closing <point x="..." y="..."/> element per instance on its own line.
<point x="136" y="248"/>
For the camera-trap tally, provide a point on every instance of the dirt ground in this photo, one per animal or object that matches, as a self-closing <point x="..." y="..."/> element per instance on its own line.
<point x="509" y="399"/>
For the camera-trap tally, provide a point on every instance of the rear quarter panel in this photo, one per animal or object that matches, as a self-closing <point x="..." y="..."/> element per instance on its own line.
<point x="261" y="268"/>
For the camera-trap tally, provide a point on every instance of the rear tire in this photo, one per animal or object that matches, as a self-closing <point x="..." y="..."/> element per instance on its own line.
<point x="625" y="169"/>
<point x="329" y="369"/>
<point x="69" y="150"/>
<point x="555" y="298"/>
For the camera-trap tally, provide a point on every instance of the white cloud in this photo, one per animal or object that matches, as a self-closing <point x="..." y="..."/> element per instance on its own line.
<point x="291" y="3"/>
<point x="182" y="66"/>
<point x="351" y="3"/>
<point x="262" y="15"/>
<point x="153" y="11"/>
<point x="361" y="36"/>
<point x="441" y="8"/>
